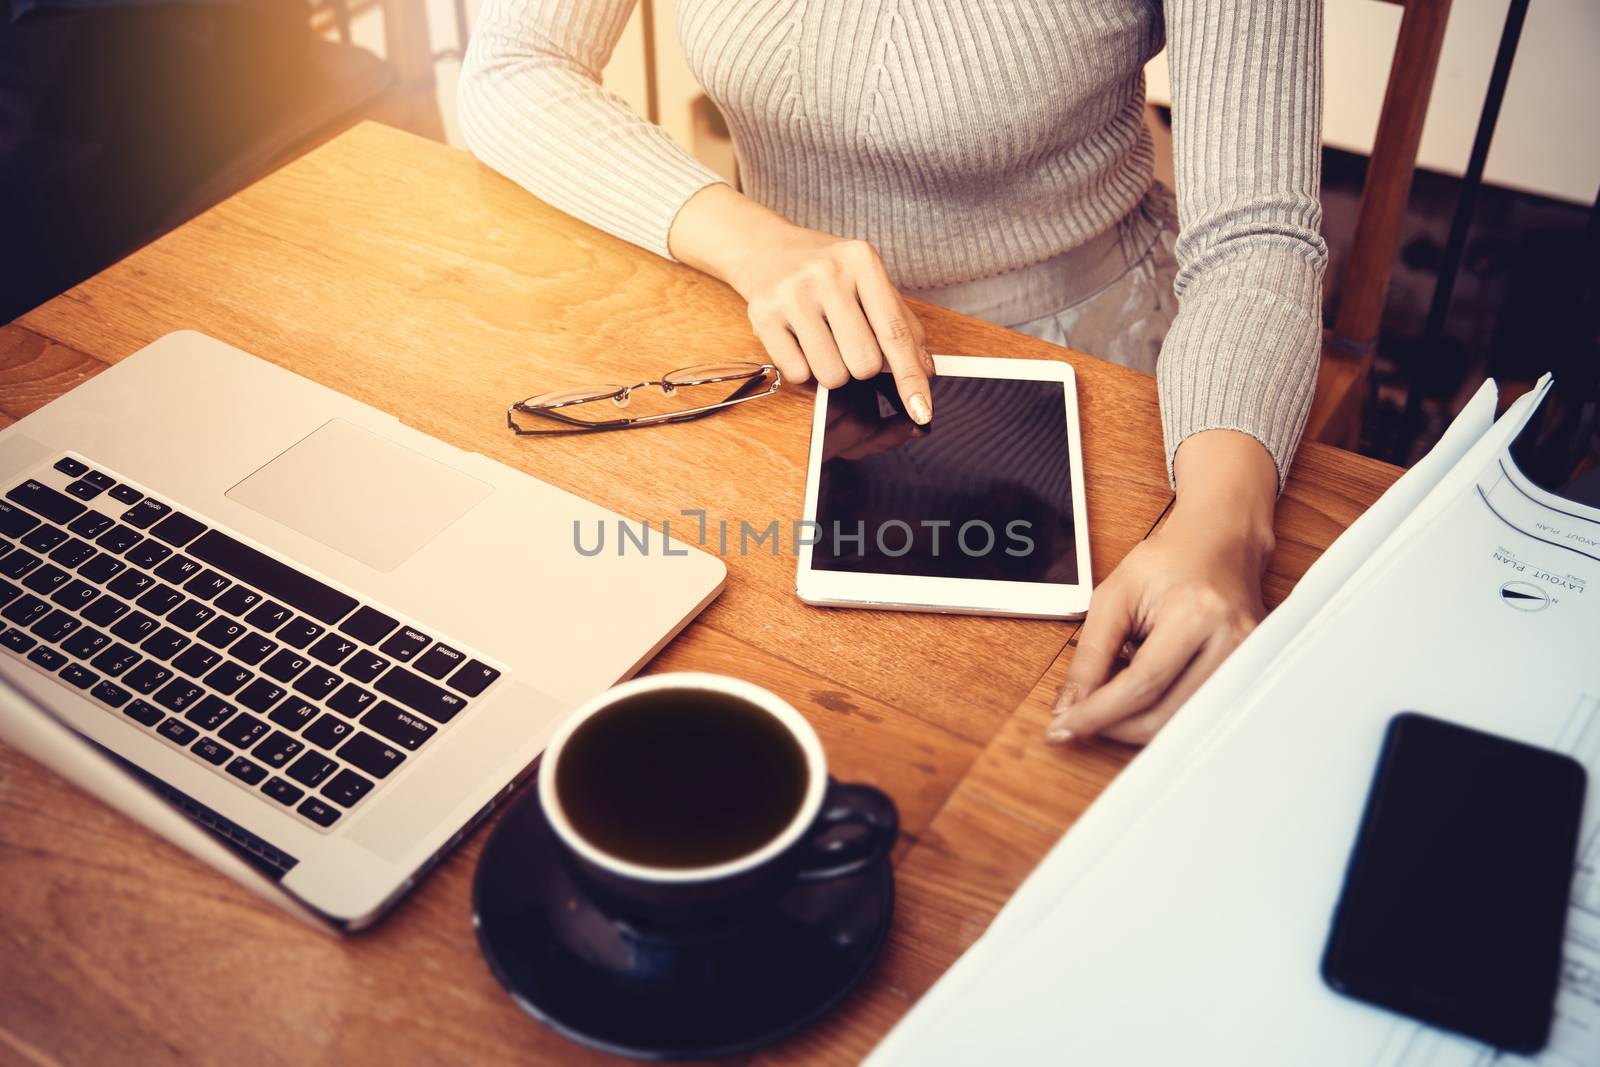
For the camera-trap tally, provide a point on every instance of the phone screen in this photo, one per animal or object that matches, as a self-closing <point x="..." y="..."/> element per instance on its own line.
<point x="1455" y="898"/>
<point x="984" y="491"/>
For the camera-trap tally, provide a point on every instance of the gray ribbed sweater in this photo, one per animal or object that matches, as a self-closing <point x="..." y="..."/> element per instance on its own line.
<point x="965" y="139"/>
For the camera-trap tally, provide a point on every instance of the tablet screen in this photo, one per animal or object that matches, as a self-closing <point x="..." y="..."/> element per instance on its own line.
<point x="984" y="491"/>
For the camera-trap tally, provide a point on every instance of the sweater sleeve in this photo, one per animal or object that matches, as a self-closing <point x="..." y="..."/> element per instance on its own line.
<point x="1242" y="353"/>
<point x="532" y="107"/>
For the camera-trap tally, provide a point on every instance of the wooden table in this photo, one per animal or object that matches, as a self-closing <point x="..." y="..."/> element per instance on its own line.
<point x="411" y="278"/>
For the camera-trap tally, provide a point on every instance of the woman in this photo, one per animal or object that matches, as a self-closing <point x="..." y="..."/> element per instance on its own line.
<point x="990" y="157"/>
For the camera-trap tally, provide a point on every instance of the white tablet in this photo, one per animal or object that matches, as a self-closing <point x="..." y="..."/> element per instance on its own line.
<point x="979" y="512"/>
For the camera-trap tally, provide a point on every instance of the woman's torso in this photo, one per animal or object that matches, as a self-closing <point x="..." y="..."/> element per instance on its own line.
<point x="964" y="139"/>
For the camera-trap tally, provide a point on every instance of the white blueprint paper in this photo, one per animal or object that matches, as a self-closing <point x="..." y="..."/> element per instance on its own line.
<point x="1183" y="919"/>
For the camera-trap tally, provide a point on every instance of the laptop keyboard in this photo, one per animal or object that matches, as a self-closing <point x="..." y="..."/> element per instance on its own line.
<point x="280" y="682"/>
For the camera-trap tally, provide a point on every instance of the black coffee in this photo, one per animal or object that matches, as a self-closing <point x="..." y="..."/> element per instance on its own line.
<point x="681" y="778"/>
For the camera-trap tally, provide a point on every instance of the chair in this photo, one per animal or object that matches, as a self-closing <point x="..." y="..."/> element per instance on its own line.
<point x="1347" y="353"/>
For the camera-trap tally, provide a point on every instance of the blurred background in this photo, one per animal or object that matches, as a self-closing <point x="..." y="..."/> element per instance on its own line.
<point x="121" y="118"/>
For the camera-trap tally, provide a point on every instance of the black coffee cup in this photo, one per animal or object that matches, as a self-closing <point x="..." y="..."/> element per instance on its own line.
<point x="686" y="804"/>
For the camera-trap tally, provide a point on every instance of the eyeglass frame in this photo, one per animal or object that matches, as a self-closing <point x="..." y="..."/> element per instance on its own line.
<point x="620" y="395"/>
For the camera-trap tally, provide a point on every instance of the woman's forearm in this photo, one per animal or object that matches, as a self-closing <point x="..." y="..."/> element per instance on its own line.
<point x="719" y="230"/>
<point x="1228" y="481"/>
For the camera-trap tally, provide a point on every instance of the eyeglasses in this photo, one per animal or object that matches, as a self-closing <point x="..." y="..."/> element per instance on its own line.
<point x="685" y="394"/>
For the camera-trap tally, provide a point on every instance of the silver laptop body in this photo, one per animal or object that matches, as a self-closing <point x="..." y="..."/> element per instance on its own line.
<point x="333" y="640"/>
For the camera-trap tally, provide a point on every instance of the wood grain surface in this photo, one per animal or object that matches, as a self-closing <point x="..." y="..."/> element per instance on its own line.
<point x="411" y="278"/>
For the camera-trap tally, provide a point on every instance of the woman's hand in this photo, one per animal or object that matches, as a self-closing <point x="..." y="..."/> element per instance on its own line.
<point x="1185" y="596"/>
<point x="821" y="305"/>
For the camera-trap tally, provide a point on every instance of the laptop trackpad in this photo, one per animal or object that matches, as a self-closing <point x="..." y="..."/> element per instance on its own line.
<point x="376" y="501"/>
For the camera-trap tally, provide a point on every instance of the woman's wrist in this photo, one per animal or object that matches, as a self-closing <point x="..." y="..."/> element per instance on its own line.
<point x="1227" y="482"/>
<point x="720" y="230"/>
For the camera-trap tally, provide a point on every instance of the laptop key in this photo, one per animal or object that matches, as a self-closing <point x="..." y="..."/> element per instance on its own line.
<point x="177" y="731"/>
<point x="102" y="568"/>
<point x="105" y="610"/>
<point x="17" y="641"/>
<point x="25" y="610"/>
<point x="269" y="616"/>
<point x="18" y="561"/>
<point x="43" y="500"/>
<point x="252" y="648"/>
<point x="212" y="751"/>
<point x="351" y="700"/>
<point x="145" y="513"/>
<point x="318" y="812"/>
<point x="178" y="569"/>
<point x="144" y="714"/>
<point x="75" y="595"/>
<point x="247" y="772"/>
<point x="136" y="627"/>
<point x="293" y="713"/>
<point x="45" y="579"/>
<point x="474" y="678"/>
<point x="178" y="695"/>
<point x="278" y="580"/>
<point x="98" y="480"/>
<point x="332" y="648"/>
<point x="364" y="666"/>
<point x="76" y="674"/>
<point x="44" y="538"/>
<point x="260" y="695"/>
<point x="111" y="693"/>
<point x="189" y="615"/>
<point x="130" y="584"/>
<point x="317" y="683"/>
<point x="14" y="522"/>
<point x="207" y="584"/>
<point x="439" y="661"/>
<point x="84" y="489"/>
<point x="405" y="644"/>
<point x="147" y="554"/>
<point x="311" y="768"/>
<point x="164" y="643"/>
<point x="8" y="592"/>
<point x="327" y="732"/>
<point x="116" y="659"/>
<point x="71" y="467"/>
<point x="419" y="694"/>
<point x="196" y="660"/>
<point x="277" y="750"/>
<point x="72" y="554"/>
<point x="85" y="643"/>
<point x="47" y="657"/>
<point x="147" y="677"/>
<point x="91" y="524"/>
<point x="299" y="633"/>
<point x="368" y="625"/>
<point x="346" y="788"/>
<point x="398" y="725"/>
<point x="284" y="665"/>
<point x="126" y="494"/>
<point x="119" y="539"/>
<point x="178" y="529"/>
<point x="282" y="791"/>
<point x="221" y="631"/>
<point x="210" y="713"/>
<point x="243" y="730"/>
<point x="227" y="678"/>
<point x="371" y="755"/>
<point x="55" y="626"/>
<point x="238" y="600"/>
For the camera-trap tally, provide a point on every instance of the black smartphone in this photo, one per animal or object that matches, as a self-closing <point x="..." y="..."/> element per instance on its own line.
<point x="1455" y="897"/>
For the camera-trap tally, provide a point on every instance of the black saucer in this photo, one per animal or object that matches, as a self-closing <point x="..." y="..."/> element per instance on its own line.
<point x="595" y="980"/>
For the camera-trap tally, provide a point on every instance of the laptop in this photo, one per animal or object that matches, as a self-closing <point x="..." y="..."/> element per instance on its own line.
<point x="329" y="639"/>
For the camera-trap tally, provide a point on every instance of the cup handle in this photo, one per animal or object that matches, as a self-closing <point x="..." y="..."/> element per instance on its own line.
<point x="861" y="805"/>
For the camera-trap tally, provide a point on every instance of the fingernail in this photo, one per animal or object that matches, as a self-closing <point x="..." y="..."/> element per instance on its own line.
<point x="1057" y="734"/>
<point x="917" y="404"/>
<point x="927" y="360"/>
